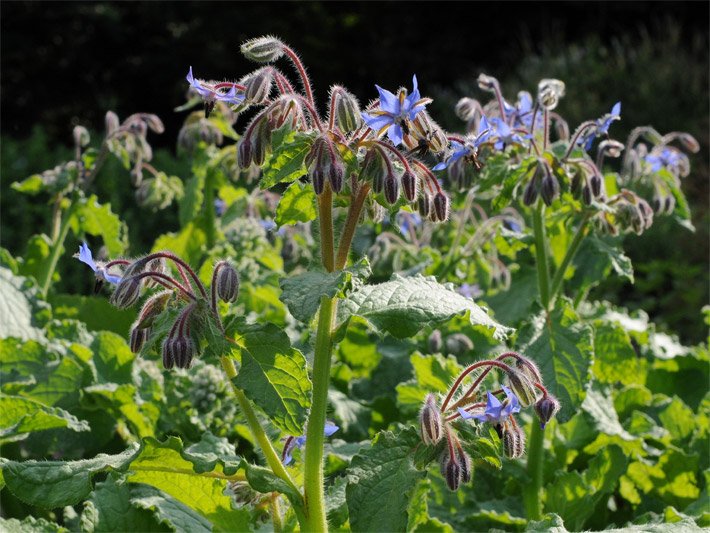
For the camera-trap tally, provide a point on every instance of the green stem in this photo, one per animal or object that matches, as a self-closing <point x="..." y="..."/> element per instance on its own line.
<point x="276" y="513"/>
<point x="325" y="217"/>
<point x="346" y="237"/>
<point x="272" y="458"/>
<point x="541" y="260"/>
<point x="57" y="247"/>
<point x="569" y="255"/>
<point x="210" y="209"/>
<point x="313" y="479"/>
<point x="531" y="492"/>
<point x="452" y="257"/>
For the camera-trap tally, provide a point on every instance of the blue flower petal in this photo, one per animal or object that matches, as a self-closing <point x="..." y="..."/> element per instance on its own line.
<point x="395" y="134"/>
<point x="465" y="415"/>
<point x="377" y="122"/>
<point x="86" y="257"/>
<point x="330" y="428"/>
<point x="388" y="101"/>
<point x="440" y="166"/>
<point x="616" y="110"/>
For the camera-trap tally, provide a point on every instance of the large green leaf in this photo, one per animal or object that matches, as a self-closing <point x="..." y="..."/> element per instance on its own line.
<point x="96" y="312"/>
<point x="30" y="524"/>
<point x="97" y="219"/>
<point x="19" y="416"/>
<point x="381" y="481"/>
<point x="273" y="375"/>
<point x="302" y="293"/>
<point x="297" y="204"/>
<point x="285" y="164"/>
<point x="615" y="359"/>
<point x="597" y="256"/>
<point x="18" y="307"/>
<point x="432" y="373"/>
<point x="404" y="306"/>
<point x="561" y="345"/>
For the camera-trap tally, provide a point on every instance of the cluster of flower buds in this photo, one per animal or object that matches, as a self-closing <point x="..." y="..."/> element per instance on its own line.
<point x="629" y="212"/>
<point x="182" y="297"/>
<point x="543" y="183"/>
<point x="522" y="387"/>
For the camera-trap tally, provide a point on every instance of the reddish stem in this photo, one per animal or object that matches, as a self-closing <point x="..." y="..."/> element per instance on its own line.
<point x="466" y="372"/>
<point x="180" y="263"/>
<point x="301" y="72"/>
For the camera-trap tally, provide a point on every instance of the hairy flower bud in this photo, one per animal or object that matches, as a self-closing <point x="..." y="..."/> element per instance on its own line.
<point x="346" y="110"/>
<point x="587" y="194"/>
<point x="451" y="470"/>
<point x="112" y="122"/>
<point x="263" y="49"/>
<point x="336" y="174"/>
<point x="466" y="465"/>
<point x="595" y="183"/>
<point x="435" y="341"/>
<point x="391" y="188"/>
<point x="441" y="206"/>
<point x="409" y="185"/>
<point x="424" y="205"/>
<point x="430" y="421"/>
<point x="546" y="407"/>
<point x="138" y="338"/>
<point x="152" y="308"/>
<point x="513" y="441"/>
<point x="528" y="368"/>
<point x="458" y="344"/>
<point x="487" y="83"/>
<point x="549" y="93"/>
<point x="244" y="153"/>
<point x="318" y="180"/>
<point x="227" y="281"/>
<point x="257" y="86"/>
<point x="550" y="189"/>
<point x="466" y="108"/>
<point x="689" y="142"/>
<point x="183" y="351"/>
<point x="153" y="122"/>
<point x="127" y="292"/>
<point x="530" y="192"/>
<point x="523" y="388"/>
<point x="167" y="352"/>
<point x="81" y="136"/>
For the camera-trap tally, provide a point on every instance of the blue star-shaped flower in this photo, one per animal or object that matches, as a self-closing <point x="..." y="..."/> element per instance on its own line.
<point x="601" y="127"/>
<point x="495" y="412"/>
<point x="87" y="258"/>
<point x="520" y="115"/>
<point x="299" y="442"/>
<point x="210" y="94"/>
<point x="395" y="112"/>
<point x="505" y="135"/>
<point x="470" y="291"/>
<point x="467" y="148"/>
<point x="667" y="158"/>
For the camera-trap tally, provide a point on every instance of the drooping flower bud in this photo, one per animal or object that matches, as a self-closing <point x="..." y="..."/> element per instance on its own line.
<point x="424" y="205"/>
<point x="409" y="185"/>
<point x="546" y="408"/>
<point x="81" y="136"/>
<point x="263" y="49"/>
<point x="466" y="465"/>
<point x="347" y="110"/>
<point x="587" y="194"/>
<point x="441" y="206"/>
<point x="549" y="93"/>
<point x="127" y="292"/>
<point x="152" y="307"/>
<point x="458" y="344"/>
<point x="595" y="183"/>
<point x="550" y="189"/>
<point x="451" y="470"/>
<point x="227" y="281"/>
<point x="244" y="153"/>
<point x="138" y="338"/>
<point x="435" y="341"/>
<point x="391" y="188"/>
<point x="112" y="122"/>
<point x="431" y="422"/>
<point x="167" y="351"/>
<point x="528" y="368"/>
<point x="530" y="192"/>
<point x="183" y="351"/>
<point x="336" y="174"/>
<point x="258" y="85"/>
<point x="487" y="83"/>
<point x="689" y="142"/>
<point x="513" y="441"/>
<point x="523" y="388"/>
<point x="466" y="108"/>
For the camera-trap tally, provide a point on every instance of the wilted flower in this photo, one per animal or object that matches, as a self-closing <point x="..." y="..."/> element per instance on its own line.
<point x="395" y="112"/>
<point x="299" y="442"/>
<point x="496" y="412"/>
<point x="86" y="257"/>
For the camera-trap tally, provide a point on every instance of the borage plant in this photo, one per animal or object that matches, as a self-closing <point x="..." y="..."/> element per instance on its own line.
<point x="534" y="224"/>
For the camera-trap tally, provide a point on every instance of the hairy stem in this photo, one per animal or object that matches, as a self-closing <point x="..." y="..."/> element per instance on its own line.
<point x="325" y="218"/>
<point x="209" y="209"/>
<point x="541" y="259"/>
<point x="346" y="237"/>
<point x="57" y="247"/>
<point x="313" y="488"/>
<point x="531" y="491"/>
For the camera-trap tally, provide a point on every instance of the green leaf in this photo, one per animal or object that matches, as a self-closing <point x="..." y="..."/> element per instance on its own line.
<point x="561" y="345"/>
<point x="191" y="203"/>
<point x="113" y="358"/>
<point x="285" y="164"/>
<point x="97" y="219"/>
<point x="264" y="480"/>
<point x="404" y="306"/>
<point x="18" y="307"/>
<point x="19" y="416"/>
<point x="110" y="509"/>
<point x="30" y="524"/>
<point x="273" y="375"/>
<point x="34" y="260"/>
<point x="615" y="359"/>
<point x="597" y="256"/>
<point x="97" y="313"/>
<point x="32" y="185"/>
<point x="51" y="484"/>
<point x="682" y="210"/>
<point x="432" y="373"/>
<point x="302" y="293"/>
<point x="381" y="481"/>
<point x="678" y="419"/>
<point x="515" y="304"/>
<point x="297" y="204"/>
<point x="167" y="509"/>
<point x="188" y="243"/>
<point x="599" y="409"/>
<point x="122" y="402"/>
<point x="550" y="523"/>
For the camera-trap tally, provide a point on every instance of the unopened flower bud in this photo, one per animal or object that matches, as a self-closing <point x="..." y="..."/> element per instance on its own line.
<point x="513" y="441"/>
<point x="409" y="185"/>
<point x="138" y="338"/>
<point x="441" y="206"/>
<point x="257" y="86"/>
<point x="244" y="153"/>
<point x="127" y="292"/>
<point x="550" y="189"/>
<point x="611" y="148"/>
<point x="183" y="351"/>
<point x="487" y="83"/>
<point x="451" y="470"/>
<point x="112" y="122"/>
<point x="81" y="136"/>
<point x="431" y="422"/>
<point x="466" y="108"/>
<point x="546" y="407"/>
<point x="530" y="192"/>
<point x="153" y="122"/>
<point x="689" y="142"/>
<point x="596" y="184"/>
<point x="523" y="388"/>
<point x="549" y="93"/>
<point x="227" y="282"/>
<point x="263" y="49"/>
<point x="391" y="188"/>
<point x="528" y="368"/>
<point x="152" y="308"/>
<point x="167" y="351"/>
<point x="587" y="194"/>
<point x="435" y="341"/>
<point x="335" y="175"/>
<point x="346" y="109"/>
<point x="458" y="344"/>
<point x="466" y="465"/>
<point x="424" y="205"/>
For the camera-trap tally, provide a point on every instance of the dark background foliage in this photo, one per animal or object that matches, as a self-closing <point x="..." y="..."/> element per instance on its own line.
<point x="67" y="63"/>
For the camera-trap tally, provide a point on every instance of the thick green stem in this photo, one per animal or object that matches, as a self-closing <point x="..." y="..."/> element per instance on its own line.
<point x="272" y="458"/>
<point x="276" y="513"/>
<point x="569" y="255"/>
<point x="313" y="479"/>
<point x="325" y="217"/>
<point x="209" y="209"/>
<point x="531" y="492"/>
<point x="57" y="247"/>
<point x="541" y="260"/>
<point x="346" y="237"/>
